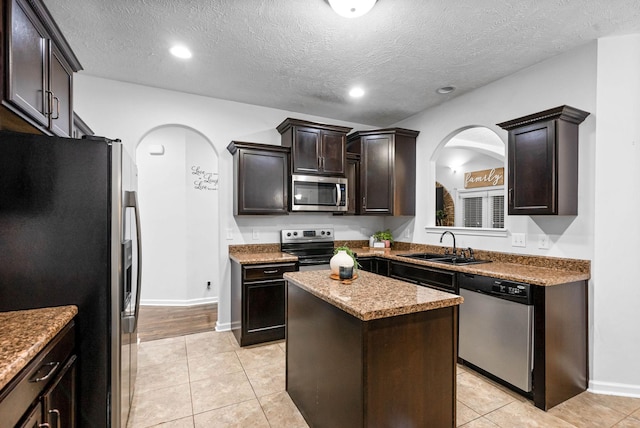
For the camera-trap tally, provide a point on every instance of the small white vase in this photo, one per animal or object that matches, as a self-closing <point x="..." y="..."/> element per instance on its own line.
<point x="341" y="258"/>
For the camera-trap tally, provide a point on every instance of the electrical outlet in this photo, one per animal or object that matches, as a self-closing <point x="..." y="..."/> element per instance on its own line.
<point x="407" y="233"/>
<point x="543" y="242"/>
<point x="256" y="234"/>
<point x="229" y="233"/>
<point x="518" y="240"/>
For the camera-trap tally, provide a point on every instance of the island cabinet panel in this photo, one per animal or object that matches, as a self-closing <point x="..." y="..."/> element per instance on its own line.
<point x="388" y="372"/>
<point x="543" y="162"/>
<point x="316" y="148"/>
<point x="561" y="368"/>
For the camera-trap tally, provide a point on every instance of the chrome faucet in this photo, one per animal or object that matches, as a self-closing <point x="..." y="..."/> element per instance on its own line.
<point x="454" y="240"/>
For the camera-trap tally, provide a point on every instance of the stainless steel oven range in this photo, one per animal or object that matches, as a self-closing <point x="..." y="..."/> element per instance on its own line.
<point x="313" y="247"/>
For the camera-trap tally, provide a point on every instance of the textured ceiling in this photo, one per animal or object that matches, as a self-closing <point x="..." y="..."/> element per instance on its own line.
<point x="298" y="55"/>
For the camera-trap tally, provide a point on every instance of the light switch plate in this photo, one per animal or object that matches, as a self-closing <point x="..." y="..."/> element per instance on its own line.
<point x="518" y="240"/>
<point x="543" y="242"/>
<point x="230" y="234"/>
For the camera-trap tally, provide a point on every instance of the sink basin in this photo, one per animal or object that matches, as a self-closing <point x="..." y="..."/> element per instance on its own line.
<point x="442" y="258"/>
<point x="425" y="256"/>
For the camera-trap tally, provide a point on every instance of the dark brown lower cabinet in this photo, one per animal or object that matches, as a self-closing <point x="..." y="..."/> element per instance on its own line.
<point x="560" y="366"/>
<point x="398" y="371"/>
<point x="258" y="301"/>
<point x="59" y="404"/>
<point x="44" y="393"/>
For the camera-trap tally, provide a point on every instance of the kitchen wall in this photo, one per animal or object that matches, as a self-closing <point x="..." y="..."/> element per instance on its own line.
<point x="616" y="270"/>
<point x="599" y="77"/>
<point x="130" y="112"/>
<point x="179" y="209"/>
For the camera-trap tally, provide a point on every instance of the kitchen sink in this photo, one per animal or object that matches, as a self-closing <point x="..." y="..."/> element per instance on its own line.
<point x="447" y="259"/>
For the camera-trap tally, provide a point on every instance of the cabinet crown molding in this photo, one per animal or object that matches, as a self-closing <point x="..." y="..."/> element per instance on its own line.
<point x="290" y="122"/>
<point x="397" y="131"/>
<point x="566" y="113"/>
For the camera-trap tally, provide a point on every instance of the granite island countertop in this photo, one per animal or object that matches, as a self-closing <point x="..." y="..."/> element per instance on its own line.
<point x="23" y="334"/>
<point x="372" y="296"/>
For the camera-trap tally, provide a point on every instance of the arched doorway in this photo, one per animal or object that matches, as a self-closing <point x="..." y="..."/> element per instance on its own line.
<point x="177" y="182"/>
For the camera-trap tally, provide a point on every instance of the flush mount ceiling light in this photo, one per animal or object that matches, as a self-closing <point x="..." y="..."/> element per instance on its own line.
<point x="180" y="52"/>
<point x="351" y="8"/>
<point x="356" y="92"/>
<point x="446" y="90"/>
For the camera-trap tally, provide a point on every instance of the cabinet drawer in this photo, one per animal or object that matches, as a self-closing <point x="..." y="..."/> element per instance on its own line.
<point x="22" y="391"/>
<point x="265" y="272"/>
<point x="439" y="279"/>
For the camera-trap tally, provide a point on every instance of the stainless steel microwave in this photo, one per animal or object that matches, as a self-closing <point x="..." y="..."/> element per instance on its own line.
<point x="317" y="193"/>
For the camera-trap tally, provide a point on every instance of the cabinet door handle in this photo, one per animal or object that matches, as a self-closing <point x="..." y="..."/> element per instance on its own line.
<point x="58" y="417"/>
<point x="44" y="425"/>
<point x="364" y="203"/>
<point x="511" y="195"/>
<point x="57" y="107"/>
<point x="49" y="108"/>
<point x="270" y="271"/>
<point x="54" y="366"/>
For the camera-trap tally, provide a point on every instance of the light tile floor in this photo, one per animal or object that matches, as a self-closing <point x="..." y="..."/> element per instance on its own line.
<point x="207" y="380"/>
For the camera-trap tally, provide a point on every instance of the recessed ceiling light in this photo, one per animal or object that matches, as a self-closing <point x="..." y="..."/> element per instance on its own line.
<point x="180" y="52"/>
<point x="351" y="8"/>
<point x="446" y="89"/>
<point x="356" y="92"/>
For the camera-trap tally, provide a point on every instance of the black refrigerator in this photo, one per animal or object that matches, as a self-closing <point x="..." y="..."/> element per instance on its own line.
<point x="70" y="234"/>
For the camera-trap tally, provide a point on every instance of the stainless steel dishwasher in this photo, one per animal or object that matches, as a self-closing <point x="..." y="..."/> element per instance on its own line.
<point x="496" y="328"/>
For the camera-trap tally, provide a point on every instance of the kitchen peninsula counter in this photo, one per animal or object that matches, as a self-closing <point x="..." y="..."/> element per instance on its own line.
<point x="23" y="334"/>
<point x="373" y="352"/>
<point x="535" y="270"/>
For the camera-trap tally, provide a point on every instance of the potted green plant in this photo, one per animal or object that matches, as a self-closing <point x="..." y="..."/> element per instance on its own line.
<point x="384" y="236"/>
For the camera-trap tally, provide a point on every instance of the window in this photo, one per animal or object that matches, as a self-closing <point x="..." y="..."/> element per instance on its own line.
<point x="481" y="208"/>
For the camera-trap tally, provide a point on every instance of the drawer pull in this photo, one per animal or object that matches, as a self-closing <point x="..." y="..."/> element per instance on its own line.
<point x="44" y="425"/>
<point x="270" y="271"/>
<point x="58" y="417"/>
<point x="54" y="366"/>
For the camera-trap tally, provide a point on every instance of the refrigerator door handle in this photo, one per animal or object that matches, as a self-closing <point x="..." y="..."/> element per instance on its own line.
<point x="131" y="201"/>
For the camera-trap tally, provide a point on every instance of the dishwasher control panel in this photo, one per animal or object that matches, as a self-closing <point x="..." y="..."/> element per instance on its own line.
<point x="510" y="288"/>
<point x="503" y="289"/>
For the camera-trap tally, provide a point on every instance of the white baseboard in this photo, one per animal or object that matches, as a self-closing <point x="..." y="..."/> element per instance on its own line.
<point x="223" y="326"/>
<point x="611" y="388"/>
<point x="192" y="302"/>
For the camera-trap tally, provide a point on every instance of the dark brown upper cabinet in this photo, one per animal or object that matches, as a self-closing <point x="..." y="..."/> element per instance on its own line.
<point x="387" y="171"/>
<point x="316" y="148"/>
<point x="353" y="181"/>
<point x="543" y="162"/>
<point x="261" y="175"/>
<point x="37" y="71"/>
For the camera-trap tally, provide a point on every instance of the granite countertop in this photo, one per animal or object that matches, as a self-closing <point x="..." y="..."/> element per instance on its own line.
<point x="535" y="275"/>
<point x="535" y="270"/>
<point x="258" y="258"/>
<point x="372" y="296"/>
<point x="25" y="333"/>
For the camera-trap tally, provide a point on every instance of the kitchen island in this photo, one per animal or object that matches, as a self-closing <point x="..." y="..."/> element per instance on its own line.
<point x="375" y="352"/>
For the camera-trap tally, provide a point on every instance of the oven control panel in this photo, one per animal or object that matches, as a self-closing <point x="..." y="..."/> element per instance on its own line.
<point x="316" y="235"/>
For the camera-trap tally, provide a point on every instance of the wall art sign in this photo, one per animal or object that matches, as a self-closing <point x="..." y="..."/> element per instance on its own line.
<point x="484" y="178"/>
<point x="204" y="180"/>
